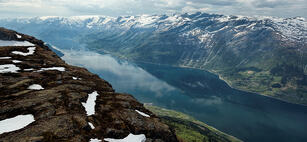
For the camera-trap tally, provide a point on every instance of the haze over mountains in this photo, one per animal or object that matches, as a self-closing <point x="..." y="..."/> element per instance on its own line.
<point x="265" y="55"/>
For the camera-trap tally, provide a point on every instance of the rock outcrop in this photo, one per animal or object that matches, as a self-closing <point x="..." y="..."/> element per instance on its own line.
<point x="35" y="81"/>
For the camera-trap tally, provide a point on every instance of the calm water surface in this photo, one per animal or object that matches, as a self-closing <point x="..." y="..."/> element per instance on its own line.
<point x="250" y="117"/>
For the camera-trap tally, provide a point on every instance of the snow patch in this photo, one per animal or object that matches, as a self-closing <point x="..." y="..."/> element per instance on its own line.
<point x="291" y="28"/>
<point x="16" y="61"/>
<point x="143" y="21"/>
<point x="142" y="113"/>
<point x="129" y="138"/>
<point x="52" y="68"/>
<point x="90" y="103"/>
<point x="76" y="78"/>
<point x="251" y="25"/>
<point x="3" y="58"/>
<point x="240" y="34"/>
<point x="223" y="19"/>
<point x="15" y="43"/>
<point x="91" y="125"/>
<point x="31" y="69"/>
<point x="18" y="36"/>
<point x="31" y="51"/>
<point x="47" y="17"/>
<point x="15" y="123"/>
<point x="95" y="140"/>
<point x="9" y="68"/>
<point x="35" y="87"/>
<point x="106" y="20"/>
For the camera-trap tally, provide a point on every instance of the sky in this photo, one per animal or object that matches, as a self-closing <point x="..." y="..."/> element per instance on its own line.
<point x="32" y="8"/>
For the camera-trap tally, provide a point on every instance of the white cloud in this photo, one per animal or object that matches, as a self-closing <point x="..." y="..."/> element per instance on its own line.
<point x="191" y="9"/>
<point x="125" y="72"/>
<point x="170" y="3"/>
<point x="18" y="8"/>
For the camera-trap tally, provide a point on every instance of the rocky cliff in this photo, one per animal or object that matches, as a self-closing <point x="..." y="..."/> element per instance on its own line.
<point x="44" y="99"/>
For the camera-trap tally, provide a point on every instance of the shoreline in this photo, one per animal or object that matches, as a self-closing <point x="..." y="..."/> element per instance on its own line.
<point x="196" y="121"/>
<point x="214" y="73"/>
<point x="221" y="78"/>
<point x="227" y="82"/>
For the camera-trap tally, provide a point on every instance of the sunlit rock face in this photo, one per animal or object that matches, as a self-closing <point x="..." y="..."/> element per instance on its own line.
<point x="44" y="99"/>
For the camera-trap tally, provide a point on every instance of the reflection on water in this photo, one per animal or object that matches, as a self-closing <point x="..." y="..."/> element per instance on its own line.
<point x="250" y="117"/>
<point x="123" y="76"/>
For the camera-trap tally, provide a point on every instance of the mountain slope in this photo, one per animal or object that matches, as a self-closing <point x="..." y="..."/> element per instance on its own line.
<point x="190" y="129"/>
<point x="45" y="99"/>
<point x="264" y="55"/>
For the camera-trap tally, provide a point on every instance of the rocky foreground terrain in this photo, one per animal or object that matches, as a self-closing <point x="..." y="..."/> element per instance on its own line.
<point x="46" y="99"/>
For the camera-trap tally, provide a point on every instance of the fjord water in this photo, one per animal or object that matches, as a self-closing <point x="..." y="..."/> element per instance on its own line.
<point x="250" y="117"/>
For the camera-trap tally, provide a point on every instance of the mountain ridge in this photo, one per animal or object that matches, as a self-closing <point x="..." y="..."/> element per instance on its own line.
<point x="263" y="55"/>
<point x="94" y="21"/>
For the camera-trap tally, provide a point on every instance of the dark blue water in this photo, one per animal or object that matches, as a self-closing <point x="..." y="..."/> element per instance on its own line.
<point x="248" y="116"/>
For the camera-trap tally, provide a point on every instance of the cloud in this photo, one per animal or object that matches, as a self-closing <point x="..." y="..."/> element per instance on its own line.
<point x="127" y="76"/>
<point x="31" y="8"/>
<point x="215" y="2"/>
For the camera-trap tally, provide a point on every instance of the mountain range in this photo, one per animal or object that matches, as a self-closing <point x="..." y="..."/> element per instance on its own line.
<point x="264" y="55"/>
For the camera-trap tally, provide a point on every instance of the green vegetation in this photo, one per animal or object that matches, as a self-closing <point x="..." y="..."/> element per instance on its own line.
<point x="186" y="133"/>
<point x="189" y="129"/>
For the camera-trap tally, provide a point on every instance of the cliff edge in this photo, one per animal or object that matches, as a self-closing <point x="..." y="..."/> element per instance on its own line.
<point x="44" y="99"/>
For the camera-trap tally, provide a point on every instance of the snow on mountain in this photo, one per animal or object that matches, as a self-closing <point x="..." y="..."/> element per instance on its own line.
<point x="287" y="28"/>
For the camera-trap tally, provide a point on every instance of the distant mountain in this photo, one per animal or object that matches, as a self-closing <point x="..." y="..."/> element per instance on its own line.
<point x="265" y="55"/>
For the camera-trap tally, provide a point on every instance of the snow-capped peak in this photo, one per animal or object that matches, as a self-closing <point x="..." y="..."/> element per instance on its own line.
<point x="205" y="25"/>
<point x="47" y="17"/>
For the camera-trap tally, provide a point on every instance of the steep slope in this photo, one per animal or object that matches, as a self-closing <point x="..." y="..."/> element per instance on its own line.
<point x="265" y="55"/>
<point x="44" y="99"/>
<point x="189" y="129"/>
